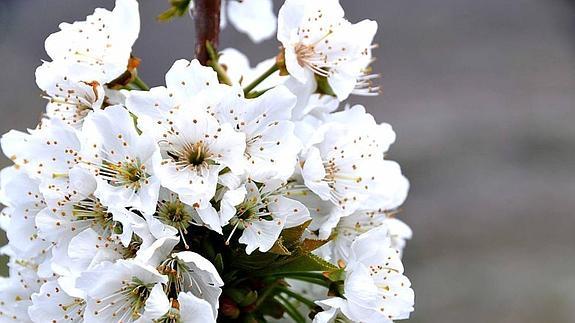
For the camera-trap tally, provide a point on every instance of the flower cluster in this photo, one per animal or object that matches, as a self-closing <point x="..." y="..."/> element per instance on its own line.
<point x="231" y="193"/>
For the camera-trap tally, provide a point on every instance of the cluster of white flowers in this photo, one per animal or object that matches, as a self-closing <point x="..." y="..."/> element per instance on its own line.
<point x="131" y="204"/>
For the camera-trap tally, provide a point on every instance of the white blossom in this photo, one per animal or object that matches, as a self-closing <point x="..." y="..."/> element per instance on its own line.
<point x="21" y="195"/>
<point x="124" y="291"/>
<point x="101" y="45"/>
<point x="195" y="149"/>
<point x="375" y="288"/>
<point x="53" y="304"/>
<point x="263" y="215"/>
<point x="70" y="98"/>
<point x="121" y="160"/>
<point x="351" y="227"/>
<point x="162" y="205"/>
<point x="271" y="146"/>
<point x="15" y="291"/>
<point x="189" y="85"/>
<point x="318" y="40"/>
<point x="187" y="272"/>
<point x="324" y="214"/>
<point x="340" y="168"/>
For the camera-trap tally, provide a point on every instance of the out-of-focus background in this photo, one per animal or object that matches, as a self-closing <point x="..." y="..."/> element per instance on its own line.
<point x="482" y="97"/>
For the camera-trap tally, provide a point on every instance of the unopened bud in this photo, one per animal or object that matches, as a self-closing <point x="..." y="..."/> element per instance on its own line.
<point x="228" y="308"/>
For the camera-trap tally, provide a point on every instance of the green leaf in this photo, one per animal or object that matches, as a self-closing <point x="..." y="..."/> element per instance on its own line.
<point x="291" y="310"/>
<point x="304" y="263"/>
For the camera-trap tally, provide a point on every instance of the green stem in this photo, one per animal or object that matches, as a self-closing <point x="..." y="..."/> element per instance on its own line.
<point x="260" y="79"/>
<point x="309" y="303"/>
<point x="300" y="274"/>
<point x="291" y="310"/>
<point x="138" y="82"/>
<point x="213" y="62"/>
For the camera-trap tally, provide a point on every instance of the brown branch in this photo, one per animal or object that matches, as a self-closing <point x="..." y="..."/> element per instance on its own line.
<point x="207" y="22"/>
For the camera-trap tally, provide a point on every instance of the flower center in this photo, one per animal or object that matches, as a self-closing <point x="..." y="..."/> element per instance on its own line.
<point x="175" y="213"/>
<point x="137" y="293"/>
<point x="74" y="105"/>
<point x="132" y="249"/>
<point x="77" y="305"/>
<point x="196" y="156"/>
<point x="174" y="269"/>
<point x="91" y="210"/>
<point x="130" y="174"/>
<point x="173" y="316"/>
<point x="304" y="53"/>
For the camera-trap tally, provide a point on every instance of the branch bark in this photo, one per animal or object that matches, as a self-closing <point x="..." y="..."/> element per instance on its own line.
<point x="207" y="23"/>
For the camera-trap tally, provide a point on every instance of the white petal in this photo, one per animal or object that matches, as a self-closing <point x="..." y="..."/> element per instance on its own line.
<point x="262" y="234"/>
<point x="253" y="17"/>
<point x="192" y="82"/>
<point x="47" y="305"/>
<point x="194" y="309"/>
<point x="158" y="251"/>
<point x="157" y="304"/>
<point x="205" y="281"/>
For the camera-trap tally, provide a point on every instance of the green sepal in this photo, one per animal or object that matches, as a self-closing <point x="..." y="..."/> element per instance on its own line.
<point x="335" y="275"/>
<point x="323" y="86"/>
<point x="219" y="263"/>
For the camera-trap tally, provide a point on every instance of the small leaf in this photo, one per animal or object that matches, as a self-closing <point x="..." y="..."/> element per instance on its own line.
<point x="294" y="235"/>
<point x="309" y="245"/>
<point x="279" y="249"/>
<point x="168" y="14"/>
<point x="178" y="8"/>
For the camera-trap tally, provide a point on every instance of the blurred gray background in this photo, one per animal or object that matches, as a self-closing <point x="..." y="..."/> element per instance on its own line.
<point x="482" y="97"/>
